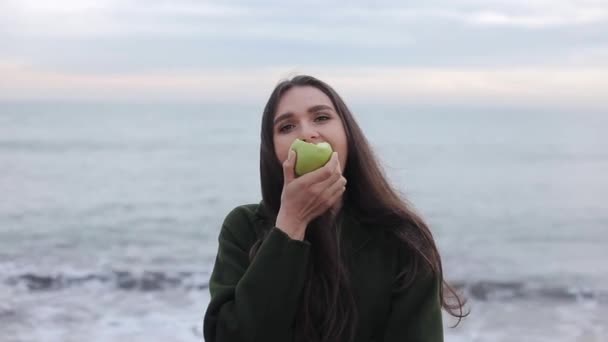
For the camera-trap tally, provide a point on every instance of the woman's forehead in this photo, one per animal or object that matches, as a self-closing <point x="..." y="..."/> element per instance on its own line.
<point x="300" y="99"/>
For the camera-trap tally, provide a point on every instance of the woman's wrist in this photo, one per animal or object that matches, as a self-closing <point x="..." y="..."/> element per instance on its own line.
<point x="295" y="230"/>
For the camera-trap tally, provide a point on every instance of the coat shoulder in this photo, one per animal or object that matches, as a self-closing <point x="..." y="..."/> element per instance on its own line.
<point x="243" y="224"/>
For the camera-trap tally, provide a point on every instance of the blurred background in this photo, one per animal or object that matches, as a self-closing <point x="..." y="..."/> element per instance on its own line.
<point x="129" y="129"/>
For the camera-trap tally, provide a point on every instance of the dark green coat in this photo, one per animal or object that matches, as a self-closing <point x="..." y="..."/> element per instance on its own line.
<point x="257" y="301"/>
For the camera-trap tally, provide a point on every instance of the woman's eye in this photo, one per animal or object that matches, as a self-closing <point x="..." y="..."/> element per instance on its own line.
<point x="285" y="128"/>
<point x="288" y="127"/>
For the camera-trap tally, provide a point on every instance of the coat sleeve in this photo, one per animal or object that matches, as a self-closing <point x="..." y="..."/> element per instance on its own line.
<point x="254" y="301"/>
<point x="416" y="313"/>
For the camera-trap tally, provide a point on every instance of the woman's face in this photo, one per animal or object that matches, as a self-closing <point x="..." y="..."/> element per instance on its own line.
<point x="307" y="113"/>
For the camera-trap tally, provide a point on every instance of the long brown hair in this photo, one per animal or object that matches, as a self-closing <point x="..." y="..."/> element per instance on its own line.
<point x="327" y="311"/>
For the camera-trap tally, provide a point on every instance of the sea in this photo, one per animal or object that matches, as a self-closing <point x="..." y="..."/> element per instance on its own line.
<point x="110" y="213"/>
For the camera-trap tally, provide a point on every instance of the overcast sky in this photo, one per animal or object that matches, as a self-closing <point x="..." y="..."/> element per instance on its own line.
<point x="531" y="52"/>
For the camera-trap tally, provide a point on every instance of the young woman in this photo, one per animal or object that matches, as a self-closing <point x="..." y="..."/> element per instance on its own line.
<point x="332" y="255"/>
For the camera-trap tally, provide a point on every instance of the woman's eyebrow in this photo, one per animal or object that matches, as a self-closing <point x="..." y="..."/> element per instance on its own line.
<point x="311" y="110"/>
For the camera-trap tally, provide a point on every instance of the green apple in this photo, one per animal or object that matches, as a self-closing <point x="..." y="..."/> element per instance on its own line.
<point x="310" y="156"/>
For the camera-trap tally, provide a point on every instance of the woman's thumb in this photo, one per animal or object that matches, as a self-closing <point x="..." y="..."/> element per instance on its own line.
<point x="288" y="166"/>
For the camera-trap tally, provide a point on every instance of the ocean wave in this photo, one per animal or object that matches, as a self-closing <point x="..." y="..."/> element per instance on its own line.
<point x="197" y="281"/>
<point x="120" y="280"/>
<point x="520" y="290"/>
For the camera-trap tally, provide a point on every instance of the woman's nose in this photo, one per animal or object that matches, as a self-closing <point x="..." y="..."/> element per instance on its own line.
<point x="309" y="133"/>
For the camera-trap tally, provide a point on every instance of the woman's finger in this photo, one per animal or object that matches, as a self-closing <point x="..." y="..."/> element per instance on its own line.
<point x="336" y="192"/>
<point x="335" y="187"/>
<point x="331" y="179"/>
<point x="288" y="167"/>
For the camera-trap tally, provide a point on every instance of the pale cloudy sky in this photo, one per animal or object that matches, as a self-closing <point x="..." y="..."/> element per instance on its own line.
<point x="528" y="52"/>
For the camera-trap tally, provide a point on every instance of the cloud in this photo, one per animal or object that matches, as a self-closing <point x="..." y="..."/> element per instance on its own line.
<point x="554" y="87"/>
<point x="95" y="20"/>
<point x="527" y="15"/>
<point x="93" y="48"/>
<point x="355" y="21"/>
<point x="577" y="17"/>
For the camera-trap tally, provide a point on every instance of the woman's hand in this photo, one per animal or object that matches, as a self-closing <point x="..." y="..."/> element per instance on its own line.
<point x="308" y="196"/>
